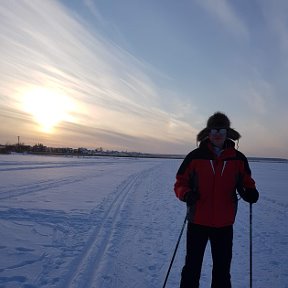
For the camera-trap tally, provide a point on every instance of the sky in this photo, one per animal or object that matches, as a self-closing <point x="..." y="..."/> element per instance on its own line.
<point x="143" y="76"/>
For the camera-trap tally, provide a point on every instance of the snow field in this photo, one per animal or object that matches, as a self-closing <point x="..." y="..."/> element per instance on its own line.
<point x="114" y="222"/>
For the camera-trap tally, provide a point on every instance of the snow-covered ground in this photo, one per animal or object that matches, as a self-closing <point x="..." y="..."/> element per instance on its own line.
<point x="114" y="223"/>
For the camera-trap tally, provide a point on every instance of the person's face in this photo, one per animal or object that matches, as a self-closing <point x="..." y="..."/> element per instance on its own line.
<point x="218" y="136"/>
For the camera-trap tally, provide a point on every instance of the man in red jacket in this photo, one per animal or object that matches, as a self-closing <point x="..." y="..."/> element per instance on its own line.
<point x="207" y="181"/>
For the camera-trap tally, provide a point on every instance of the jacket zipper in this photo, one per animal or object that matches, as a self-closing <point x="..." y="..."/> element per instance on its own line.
<point x="214" y="172"/>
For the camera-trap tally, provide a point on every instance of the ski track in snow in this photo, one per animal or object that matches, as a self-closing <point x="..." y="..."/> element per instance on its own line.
<point x="85" y="268"/>
<point x="36" y="187"/>
<point x="114" y="223"/>
<point x="108" y="240"/>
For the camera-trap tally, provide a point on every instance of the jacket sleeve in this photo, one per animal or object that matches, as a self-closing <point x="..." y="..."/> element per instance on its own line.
<point x="245" y="179"/>
<point x="248" y="181"/>
<point x="183" y="178"/>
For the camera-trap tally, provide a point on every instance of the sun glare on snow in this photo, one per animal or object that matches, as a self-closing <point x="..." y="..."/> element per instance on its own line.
<point x="48" y="107"/>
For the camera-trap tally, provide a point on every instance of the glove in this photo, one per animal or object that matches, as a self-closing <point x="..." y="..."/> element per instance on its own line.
<point x="250" y="195"/>
<point x="191" y="198"/>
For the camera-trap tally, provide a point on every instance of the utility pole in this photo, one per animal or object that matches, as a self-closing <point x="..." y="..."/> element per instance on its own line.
<point x="18" y="145"/>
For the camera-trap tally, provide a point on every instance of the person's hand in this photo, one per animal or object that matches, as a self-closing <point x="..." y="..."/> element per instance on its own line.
<point x="250" y="195"/>
<point x="191" y="198"/>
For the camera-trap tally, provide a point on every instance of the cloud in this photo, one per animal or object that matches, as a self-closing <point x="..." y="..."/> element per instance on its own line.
<point x="90" y="4"/>
<point x="275" y="15"/>
<point x="223" y="11"/>
<point x="258" y="95"/>
<point x="112" y="89"/>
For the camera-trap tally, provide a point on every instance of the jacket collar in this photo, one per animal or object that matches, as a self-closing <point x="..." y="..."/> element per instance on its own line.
<point x="228" y="148"/>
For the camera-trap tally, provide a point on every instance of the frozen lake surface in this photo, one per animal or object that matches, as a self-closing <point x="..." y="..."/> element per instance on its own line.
<point x="109" y="222"/>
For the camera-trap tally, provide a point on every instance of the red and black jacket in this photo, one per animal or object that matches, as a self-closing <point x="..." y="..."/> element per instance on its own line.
<point x="215" y="179"/>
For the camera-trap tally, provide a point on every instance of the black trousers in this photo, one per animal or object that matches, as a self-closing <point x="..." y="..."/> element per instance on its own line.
<point x="221" y="240"/>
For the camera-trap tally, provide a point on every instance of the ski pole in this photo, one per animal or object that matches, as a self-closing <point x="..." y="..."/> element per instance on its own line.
<point x="175" y="251"/>
<point x="250" y="244"/>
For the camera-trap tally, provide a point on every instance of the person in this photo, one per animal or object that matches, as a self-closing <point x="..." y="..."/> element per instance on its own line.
<point x="207" y="181"/>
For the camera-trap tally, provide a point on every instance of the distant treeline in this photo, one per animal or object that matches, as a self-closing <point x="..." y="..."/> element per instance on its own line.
<point x="41" y="149"/>
<point x="266" y="159"/>
<point x="44" y="150"/>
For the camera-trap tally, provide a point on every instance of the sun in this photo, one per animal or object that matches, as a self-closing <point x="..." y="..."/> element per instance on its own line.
<point x="47" y="106"/>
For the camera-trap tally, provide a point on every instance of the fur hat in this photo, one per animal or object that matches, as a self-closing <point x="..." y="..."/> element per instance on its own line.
<point x="218" y="120"/>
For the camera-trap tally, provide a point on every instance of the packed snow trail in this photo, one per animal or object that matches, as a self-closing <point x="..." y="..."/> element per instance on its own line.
<point x="87" y="265"/>
<point x="114" y="222"/>
<point x="131" y="218"/>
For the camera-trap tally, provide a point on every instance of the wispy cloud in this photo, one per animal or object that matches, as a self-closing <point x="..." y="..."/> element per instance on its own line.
<point x="223" y="11"/>
<point x="275" y="14"/>
<point x="112" y="88"/>
<point x="258" y="94"/>
<point x="255" y="100"/>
